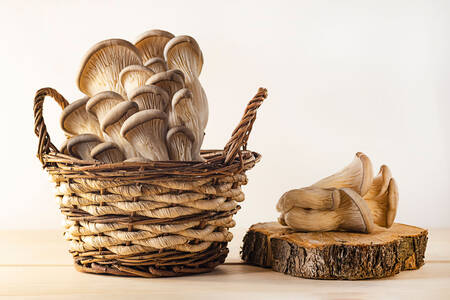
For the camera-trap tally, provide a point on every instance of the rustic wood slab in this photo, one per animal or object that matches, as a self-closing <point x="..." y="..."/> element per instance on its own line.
<point x="335" y="255"/>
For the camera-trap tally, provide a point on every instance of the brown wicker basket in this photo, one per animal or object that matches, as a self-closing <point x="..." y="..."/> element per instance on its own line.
<point x="164" y="218"/>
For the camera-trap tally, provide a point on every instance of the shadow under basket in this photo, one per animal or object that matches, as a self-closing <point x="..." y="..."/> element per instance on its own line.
<point x="163" y="218"/>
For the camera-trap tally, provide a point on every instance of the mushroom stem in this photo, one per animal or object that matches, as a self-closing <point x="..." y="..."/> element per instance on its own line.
<point x="107" y="152"/>
<point x="150" y="97"/>
<point x="382" y="198"/>
<point x="309" y="198"/>
<point x="146" y="131"/>
<point x="81" y="145"/>
<point x="357" y="175"/>
<point x="180" y="141"/>
<point x="112" y="124"/>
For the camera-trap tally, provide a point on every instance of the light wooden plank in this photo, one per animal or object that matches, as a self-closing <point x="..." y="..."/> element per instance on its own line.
<point x="227" y="282"/>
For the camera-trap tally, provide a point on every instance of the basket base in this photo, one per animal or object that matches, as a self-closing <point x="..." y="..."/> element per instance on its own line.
<point x="151" y="269"/>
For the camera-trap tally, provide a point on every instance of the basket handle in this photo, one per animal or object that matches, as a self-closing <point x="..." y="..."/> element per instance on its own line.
<point x="240" y="135"/>
<point x="45" y="145"/>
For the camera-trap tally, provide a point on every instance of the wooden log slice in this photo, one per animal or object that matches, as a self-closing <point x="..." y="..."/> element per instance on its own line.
<point x="335" y="255"/>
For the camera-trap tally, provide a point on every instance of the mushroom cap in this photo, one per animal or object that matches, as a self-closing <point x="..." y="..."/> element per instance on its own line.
<point x="81" y="139"/>
<point x="107" y="98"/>
<point x="392" y="202"/>
<point x="367" y="175"/>
<point x="180" y="95"/>
<point x="141" y="117"/>
<point x="180" y="129"/>
<point x="117" y="112"/>
<point x="151" y="43"/>
<point x="171" y="75"/>
<point x="109" y="56"/>
<point x="184" y="41"/>
<point x="151" y="89"/>
<point x="355" y="212"/>
<point x="107" y="146"/>
<point x="143" y="71"/>
<point x="156" y="64"/>
<point x="67" y="114"/>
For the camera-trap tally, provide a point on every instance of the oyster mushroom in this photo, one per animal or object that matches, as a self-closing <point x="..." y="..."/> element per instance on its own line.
<point x="357" y="175"/>
<point x="309" y="198"/>
<point x="81" y="145"/>
<point x="107" y="152"/>
<point x="112" y="124"/>
<point x="180" y="141"/>
<point x="75" y="119"/>
<point x="102" y="64"/>
<point x="184" y="113"/>
<point x="102" y="103"/>
<point x="351" y="215"/>
<point x="151" y="43"/>
<point x="156" y="64"/>
<point x="183" y="52"/>
<point x="171" y="81"/>
<point x="382" y="198"/>
<point x="146" y="131"/>
<point x="150" y="97"/>
<point x="134" y="76"/>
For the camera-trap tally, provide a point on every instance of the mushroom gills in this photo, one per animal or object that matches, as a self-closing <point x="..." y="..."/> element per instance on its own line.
<point x="81" y="145"/>
<point x="171" y="81"/>
<point x="102" y="103"/>
<point x="151" y="43"/>
<point x="180" y="141"/>
<point x="146" y="132"/>
<point x="76" y="120"/>
<point x="107" y="152"/>
<point x="150" y="97"/>
<point x="156" y="64"/>
<point x="134" y="76"/>
<point x="102" y="64"/>
<point x="112" y="124"/>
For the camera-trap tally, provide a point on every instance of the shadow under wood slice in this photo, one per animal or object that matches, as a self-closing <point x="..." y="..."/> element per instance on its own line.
<point x="335" y="255"/>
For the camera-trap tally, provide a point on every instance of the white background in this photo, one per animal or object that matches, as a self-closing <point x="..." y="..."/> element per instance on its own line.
<point x="343" y="76"/>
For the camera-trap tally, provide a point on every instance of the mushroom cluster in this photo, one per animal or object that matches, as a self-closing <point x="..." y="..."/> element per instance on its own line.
<point x="144" y="101"/>
<point x="350" y="200"/>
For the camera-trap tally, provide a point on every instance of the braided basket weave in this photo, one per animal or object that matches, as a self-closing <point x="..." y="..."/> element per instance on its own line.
<point x="164" y="218"/>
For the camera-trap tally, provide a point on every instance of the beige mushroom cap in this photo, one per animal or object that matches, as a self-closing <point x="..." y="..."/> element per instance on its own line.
<point x="171" y="81"/>
<point x="107" y="152"/>
<point x="156" y="64"/>
<point x="150" y="97"/>
<point x="355" y="213"/>
<point x="102" y="64"/>
<point x="134" y="76"/>
<point x="151" y="43"/>
<point x="75" y="119"/>
<point x="140" y="118"/>
<point x="180" y="141"/>
<point x="81" y="145"/>
<point x="100" y="104"/>
<point x="117" y="113"/>
<point x="184" y="51"/>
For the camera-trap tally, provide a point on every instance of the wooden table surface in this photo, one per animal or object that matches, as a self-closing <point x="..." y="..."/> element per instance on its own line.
<point x="36" y="264"/>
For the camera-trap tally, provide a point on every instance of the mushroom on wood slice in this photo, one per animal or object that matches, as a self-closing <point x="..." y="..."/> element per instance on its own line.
<point x="112" y="124"/>
<point x="180" y="141"/>
<point x="102" y="64"/>
<point x="157" y="64"/>
<point x="351" y="215"/>
<point x="184" y="113"/>
<point x="309" y="198"/>
<point x="171" y="81"/>
<point x="81" y="145"/>
<point x="150" y="97"/>
<point x="151" y="43"/>
<point x="146" y="131"/>
<point x="102" y="103"/>
<point x="76" y="120"/>
<point x="107" y="152"/>
<point x="382" y="198"/>
<point x="183" y="52"/>
<point x="134" y="76"/>
<point x="357" y="175"/>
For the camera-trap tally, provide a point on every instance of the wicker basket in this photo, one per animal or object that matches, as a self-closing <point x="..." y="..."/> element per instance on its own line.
<point x="155" y="219"/>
